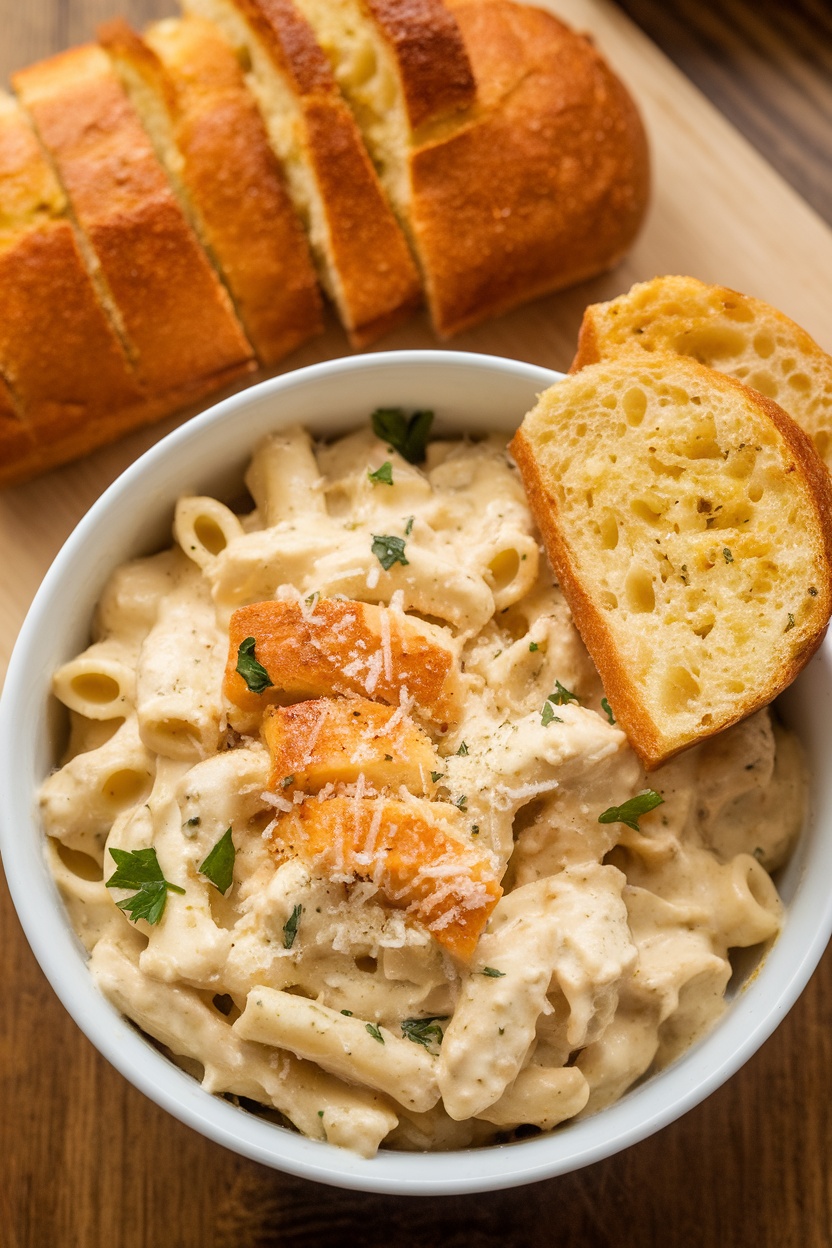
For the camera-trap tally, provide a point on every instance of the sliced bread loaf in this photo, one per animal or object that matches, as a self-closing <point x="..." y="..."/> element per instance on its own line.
<point x="188" y="88"/>
<point x="736" y="334"/>
<point x="362" y="256"/>
<point x="516" y="161"/>
<point x="175" y="317"/>
<point x="689" y="522"/>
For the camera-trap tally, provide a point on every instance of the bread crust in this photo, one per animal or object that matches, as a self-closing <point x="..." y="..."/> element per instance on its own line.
<point x="624" y="695"/>
<point x="523" y="198"/>
<point x="231" y="178"/>
<point x="377" y="282"/>
<point x="177" y="319"/>
<point x="426" y="42"/>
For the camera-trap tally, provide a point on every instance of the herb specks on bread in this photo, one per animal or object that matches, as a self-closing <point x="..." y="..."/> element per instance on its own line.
<point x="689" y="522"/>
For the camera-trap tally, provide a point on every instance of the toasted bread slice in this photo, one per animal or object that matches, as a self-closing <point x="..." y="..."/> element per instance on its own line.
<point x="689" y="522"/>
<point x="734" y="333"/>
<point x="176" y="319"/>
<point x="363" y="259"/>
<point x="188" y="88"/>
<point x="505" y="193"/>
<point x="338" y="740"/>
<point x="415" y="852"/>
<point x="336" y="646"/>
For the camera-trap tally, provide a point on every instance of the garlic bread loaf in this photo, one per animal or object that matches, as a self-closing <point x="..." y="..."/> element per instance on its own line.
<point x="734" y="333"/>
<point x="188" y="88"/>
<point x="689" y="522"/>
<point x="517" y="162"/>
<point x="174" y="316"/>
<point x="363" y="259"/>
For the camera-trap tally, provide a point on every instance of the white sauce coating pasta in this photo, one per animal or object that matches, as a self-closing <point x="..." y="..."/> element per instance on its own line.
<point x="308" y="991"/>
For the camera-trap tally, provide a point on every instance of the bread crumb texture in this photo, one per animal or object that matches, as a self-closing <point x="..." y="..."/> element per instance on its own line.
<point x="731" y="332"/>
<point x="688" y="520"/>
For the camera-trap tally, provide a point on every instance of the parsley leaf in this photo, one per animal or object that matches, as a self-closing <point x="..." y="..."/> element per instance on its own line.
<point x="492" y="972"/>
<point x="406" y="434"/>
<point x="548" y="716"/>
<point x="628" y="812"/>
<point x="374" y="1032"/>
<point x="408" y="525"/>
<point x="562" y="695"/>
<point x="389" y="550"/>
<point x="607" y="709"/>
<point x="463" y="749"/>
<point x="218" y="867"/>
<point x="139" y="869"/>
<point x="252" y="672"/>
<point x="726" y="555"/>
<point x="382" y="475"/>
<point x="533" y="646"/>
<point x="462" y="801"/>
<point x="790" y="624"/>
<point x="290" y="927"/>
<point x="436" y="776"/>
<point x="424" y="1031"/>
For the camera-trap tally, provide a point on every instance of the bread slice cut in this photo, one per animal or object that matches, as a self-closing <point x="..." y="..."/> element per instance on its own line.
<point x="734" y="333"/>
<point x="362" y="256"/>
<point x="689" y="522"/>
<point x="175" y="317"/>
<point x="188" y="88"/>
<point x="66" y="377"/>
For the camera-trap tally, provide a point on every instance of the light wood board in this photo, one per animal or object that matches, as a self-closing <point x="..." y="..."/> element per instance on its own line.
<point x="719" y="212"/>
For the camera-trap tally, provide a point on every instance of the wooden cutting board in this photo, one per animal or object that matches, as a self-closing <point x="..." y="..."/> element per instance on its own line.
<point x="719" y="212"/>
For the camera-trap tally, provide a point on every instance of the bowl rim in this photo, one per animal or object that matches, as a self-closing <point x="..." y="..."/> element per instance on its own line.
<point x="653" y="1104"/>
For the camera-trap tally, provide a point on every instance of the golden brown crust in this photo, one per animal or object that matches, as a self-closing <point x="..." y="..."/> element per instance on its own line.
<point x="392" y="842"/>
<point x="624" y="696"/>
<point x="177" y="318"/>
<point x="337" y="740"/>
<point x="338" y="647"/>
<point x="430" y="54"/>
<point x="232" y="179"/>
<point x="377" y="282"/>
<point x="525" y="197"/>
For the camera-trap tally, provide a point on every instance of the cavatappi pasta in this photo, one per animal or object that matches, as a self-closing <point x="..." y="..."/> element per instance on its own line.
<point x="424" y="937"/>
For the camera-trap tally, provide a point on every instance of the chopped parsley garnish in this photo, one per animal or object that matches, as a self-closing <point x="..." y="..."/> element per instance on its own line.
<point x="218" y="867"/>
<point x="424" y="1031"/>
<point x="533" y="646"/>
<point x="382" y="475"/>
<point x="374" y="1032"/>
<point x="436" y="776"/>
<point x="790" y="624"/>
<point x="408" y="525"/>
<point x="607" y="709"/>
<point x="463" y="749"/>
<point x="193" y="822"/>
<point x="726" y="555"/>
<point x="139" y="869"/>
<point x="252" y="672"/>
<point x="548" y="716"/>
<point x="389" y="550"/>
<point x="628" y="812"/>
<point x="492" y="972"/>
<point x="406" y="434"/>
<point x="347" y="1012"/>
<point x="462" y="801"/>
<point x="290" y="927"/>
<point x="287" y="780"/>
<point x="475" y="829"/>
<point x="562" y="695"/>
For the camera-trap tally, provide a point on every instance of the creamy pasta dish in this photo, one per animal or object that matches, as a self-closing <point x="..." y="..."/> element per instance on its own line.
<point x="349" y="829"/>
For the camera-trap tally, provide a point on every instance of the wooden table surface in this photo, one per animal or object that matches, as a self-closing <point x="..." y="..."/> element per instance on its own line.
<point x="87" y="1160"/>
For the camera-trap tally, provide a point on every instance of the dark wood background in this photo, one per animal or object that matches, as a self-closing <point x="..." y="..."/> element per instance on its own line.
<point x="88" y="1162"/>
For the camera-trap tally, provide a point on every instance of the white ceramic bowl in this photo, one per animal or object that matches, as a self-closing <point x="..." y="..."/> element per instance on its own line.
<point x="208" y="454"/>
